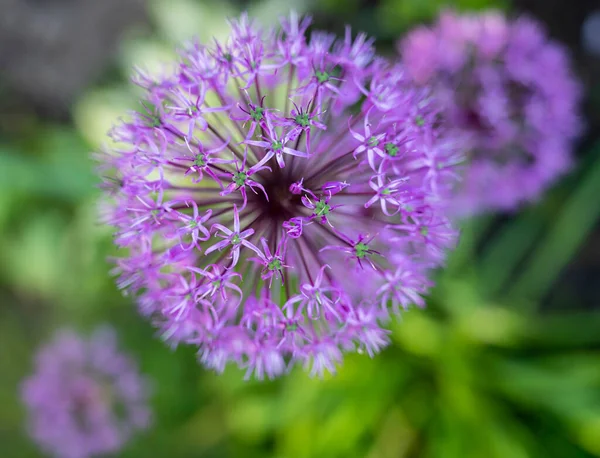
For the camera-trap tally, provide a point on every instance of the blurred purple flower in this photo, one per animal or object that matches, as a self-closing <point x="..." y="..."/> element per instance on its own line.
<point x="85" y="398"/>
<point x="294" y="222"/>
<point x="510" y="94"/>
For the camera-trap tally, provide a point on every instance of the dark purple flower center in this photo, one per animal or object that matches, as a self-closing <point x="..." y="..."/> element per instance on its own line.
<point x="282" y="204"/>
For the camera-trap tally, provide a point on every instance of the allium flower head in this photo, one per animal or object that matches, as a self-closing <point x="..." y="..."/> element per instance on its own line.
<point x="509" y="92"/>
<point x="85" y="398"/>
<point x="278" y="195"/>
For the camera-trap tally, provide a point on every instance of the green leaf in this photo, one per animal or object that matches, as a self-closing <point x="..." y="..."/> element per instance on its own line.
<point x="506" y="250"/>
<point x="565" y="236"/>
<point x="62" y="169"/>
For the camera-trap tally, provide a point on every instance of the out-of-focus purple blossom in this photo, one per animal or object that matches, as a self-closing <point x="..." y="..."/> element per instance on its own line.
<point x="590" y="33"/>
<point x="509" y="93"/>
<point x="321" y="176"/>
<point x="85" y="398"/>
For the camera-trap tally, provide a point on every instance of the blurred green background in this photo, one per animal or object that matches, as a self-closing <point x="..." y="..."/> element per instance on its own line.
<point x="504" y="362"/>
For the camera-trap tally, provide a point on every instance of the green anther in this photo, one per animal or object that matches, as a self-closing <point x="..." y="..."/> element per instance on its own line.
<point x="155" y="212"/>
<point x="151" y="116"/>
<point x="322" y="208"/>
<point x="276" y="146"/>
<point x="302" y="119"/>
<point x="200" y="160"/>
<point x="386" y="192"/>
<point x="291" y="327"/>
<point x="419" y="121"/>
<point x="424" y="230"/>
<point x="216" y="283"/>
<point x="373" y="141"/>
<point x="322" y="77"/>
<point x="257" y="113"/>
<point x="239" y="178"/>
<point x="236" y="240"/>
<point x="191" y="110"/>
<point x="391" y="149"/>
<point x="154" y="120"/>
<point x="228" y="57"/>
<point x="361" y="250"/>
<point x="274" y="264"/>
<point x="318" y="297"/>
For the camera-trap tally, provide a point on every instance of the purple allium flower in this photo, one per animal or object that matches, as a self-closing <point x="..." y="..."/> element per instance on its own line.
<point x="85" y="398"/>
<point x="316" y="169"/>
<point x="509" y="92"/>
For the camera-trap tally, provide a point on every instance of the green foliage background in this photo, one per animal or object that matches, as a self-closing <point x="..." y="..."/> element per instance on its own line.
<point x="488" y="370"/>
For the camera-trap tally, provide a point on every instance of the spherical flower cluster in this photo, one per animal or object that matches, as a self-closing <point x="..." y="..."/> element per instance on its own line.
<point x="85" y="398"/>
<point x="278" y="196"/>
<point x="509" y="92"/>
